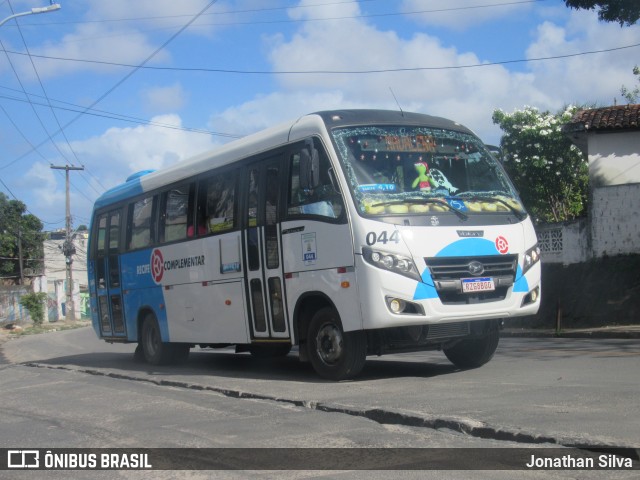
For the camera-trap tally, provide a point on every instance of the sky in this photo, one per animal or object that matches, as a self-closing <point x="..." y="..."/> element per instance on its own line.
<point x="119" y="86"/>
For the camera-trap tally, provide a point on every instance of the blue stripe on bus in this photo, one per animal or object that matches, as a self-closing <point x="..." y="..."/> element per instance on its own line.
<point x="462" y="248"/>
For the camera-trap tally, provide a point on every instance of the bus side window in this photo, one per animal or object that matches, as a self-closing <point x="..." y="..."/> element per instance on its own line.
<point x="101" y="249"/>
<point x="114" y="245"/>
<point x="323" y="201"/>
<point x="176" y="206"/>
<point x="216" y="203"/>
<point x="140" y="231"/>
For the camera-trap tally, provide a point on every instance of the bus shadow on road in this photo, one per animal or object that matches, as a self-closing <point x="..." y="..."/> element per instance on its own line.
<point x="241" y="366"/>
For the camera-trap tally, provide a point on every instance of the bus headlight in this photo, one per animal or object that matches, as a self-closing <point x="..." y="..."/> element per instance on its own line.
<point x="391" y="262"/>
<point x="531" y="257"/>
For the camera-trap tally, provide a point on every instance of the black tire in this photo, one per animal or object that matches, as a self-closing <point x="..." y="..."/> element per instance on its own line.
<point x="474" y="352"/>
<point x="334" y="354"/>
<point x="269" y="351"/>
<point x="156" y="352"/>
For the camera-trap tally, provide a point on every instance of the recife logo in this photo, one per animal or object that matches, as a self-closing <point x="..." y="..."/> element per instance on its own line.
<point x="502" y="245"/>
<point x="157" y="266"/>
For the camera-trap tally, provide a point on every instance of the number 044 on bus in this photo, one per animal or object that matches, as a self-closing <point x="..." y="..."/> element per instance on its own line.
<point x="345" y="233"/>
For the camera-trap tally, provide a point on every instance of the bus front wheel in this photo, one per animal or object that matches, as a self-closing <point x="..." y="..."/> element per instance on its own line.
<point x="474" y="352"/>
<point x="157" y="352"/>
<point x="334" y="353"/>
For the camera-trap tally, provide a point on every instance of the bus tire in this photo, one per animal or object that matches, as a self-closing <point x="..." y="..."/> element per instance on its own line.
<point x="156" y="352"/>
<point x="335" y="354"/>
<point x="474" y="352"/>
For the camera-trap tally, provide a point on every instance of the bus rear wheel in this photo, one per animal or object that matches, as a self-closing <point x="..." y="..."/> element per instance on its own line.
<point x="474" y="352"/>
<point x="157" y="352"/>
<point x="334" y="353"/>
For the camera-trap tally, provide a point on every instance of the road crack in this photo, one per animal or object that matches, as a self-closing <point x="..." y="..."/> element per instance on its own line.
<point x="467" y="426"/>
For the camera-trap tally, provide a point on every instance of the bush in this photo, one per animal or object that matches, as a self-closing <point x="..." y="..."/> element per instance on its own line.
<point x="34" y="303"/>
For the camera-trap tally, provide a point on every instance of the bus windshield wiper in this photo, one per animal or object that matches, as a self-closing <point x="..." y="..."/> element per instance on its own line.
<point x="420" y="201"/>
<point x="485" y="198"/>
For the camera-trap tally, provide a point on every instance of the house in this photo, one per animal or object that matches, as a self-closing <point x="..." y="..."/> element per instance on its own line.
<point x="56" y="273"/>
<point x="610" y="138"/>
<point x="590" y="265"/>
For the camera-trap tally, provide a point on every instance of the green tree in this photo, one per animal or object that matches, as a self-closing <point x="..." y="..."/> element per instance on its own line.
<point x="34" y="303"/>
<point x="18" y="225"/>
<point x="620" y="11"/>
<point x="549" y="171"/>
<point x="632" y="95"/>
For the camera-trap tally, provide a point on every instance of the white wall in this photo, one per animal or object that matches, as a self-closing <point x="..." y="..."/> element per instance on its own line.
<point x="564" y="243"/>
<point x="55" y="262"/>
<point x="615" y="220"/>
<point x="614" y="158"/>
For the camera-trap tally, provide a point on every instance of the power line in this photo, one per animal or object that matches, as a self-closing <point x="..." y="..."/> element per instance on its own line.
<point x="44" y="91"/>
<point x="26" y="209"/>
<point x="118" y="116"/>
<point x="334" y="72"/>
<point x="49" y="137"/>
<point x="121" y="81"/>
<point x="258" y="10"/>
<point x="229" y="12"/>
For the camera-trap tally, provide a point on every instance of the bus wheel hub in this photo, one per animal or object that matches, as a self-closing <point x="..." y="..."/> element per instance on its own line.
<point x="329" y="344"/>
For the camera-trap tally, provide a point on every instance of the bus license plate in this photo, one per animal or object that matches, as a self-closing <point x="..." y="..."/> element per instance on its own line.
<point x="471" y="285"/>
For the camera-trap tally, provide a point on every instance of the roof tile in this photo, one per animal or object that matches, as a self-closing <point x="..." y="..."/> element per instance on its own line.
<point x="622" y="117"/>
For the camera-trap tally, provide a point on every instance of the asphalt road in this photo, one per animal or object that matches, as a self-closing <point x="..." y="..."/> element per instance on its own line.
<point x="68" y="389"/>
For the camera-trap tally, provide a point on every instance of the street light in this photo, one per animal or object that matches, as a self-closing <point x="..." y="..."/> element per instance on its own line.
<point x="51" y="8"/>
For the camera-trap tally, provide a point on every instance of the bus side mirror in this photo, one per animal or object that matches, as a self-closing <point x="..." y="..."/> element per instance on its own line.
<point x="309" y="167"/>
<point x="496" y="151"/>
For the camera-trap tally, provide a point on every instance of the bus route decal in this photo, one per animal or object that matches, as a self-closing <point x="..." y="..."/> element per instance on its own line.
<point x="157" y="266"/>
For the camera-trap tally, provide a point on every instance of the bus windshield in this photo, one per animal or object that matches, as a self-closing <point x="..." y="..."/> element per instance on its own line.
<point x="400" y="170"/>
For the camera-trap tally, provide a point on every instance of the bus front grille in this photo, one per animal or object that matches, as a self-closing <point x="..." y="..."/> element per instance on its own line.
<point x="447" y="274"/>
<point x="448" y="330"/>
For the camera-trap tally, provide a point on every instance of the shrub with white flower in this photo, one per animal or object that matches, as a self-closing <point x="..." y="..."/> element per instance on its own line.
<point x="549" y="171"/>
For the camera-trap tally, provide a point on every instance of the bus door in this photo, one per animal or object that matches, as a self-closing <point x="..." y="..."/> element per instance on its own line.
<point x="108" y="281"/>
<point x="261" y="238"/>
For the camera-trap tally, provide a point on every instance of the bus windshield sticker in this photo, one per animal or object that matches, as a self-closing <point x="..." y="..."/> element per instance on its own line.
<point x="309" y="249"/>
<point x="377" y="187"/>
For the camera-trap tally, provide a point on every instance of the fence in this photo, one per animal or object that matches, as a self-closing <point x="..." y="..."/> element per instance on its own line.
<point x="10" y="309"/>
<point x="12" y="312"/>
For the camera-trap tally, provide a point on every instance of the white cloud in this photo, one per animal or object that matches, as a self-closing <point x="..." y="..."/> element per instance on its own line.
<point x="468" y="95"/>
<point x="147" y="14"/>
<point x="92" y="42"/>
<point x="585" y="78"/>
<point x="469" y="13"/>
<point x="162" y="99"/>
<point x="117" y="31"/>
<point x="49" y="186"/>
<point x="465" y="95"/>
<point x="268" y="110"/>
<point x="119" y="152"/>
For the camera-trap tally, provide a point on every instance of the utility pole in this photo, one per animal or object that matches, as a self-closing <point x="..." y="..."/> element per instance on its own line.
<point x="68" y="249"/>
<point x="20" y="263"/>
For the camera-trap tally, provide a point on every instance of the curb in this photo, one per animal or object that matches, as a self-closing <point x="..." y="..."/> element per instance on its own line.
<point x="631" y="333"/>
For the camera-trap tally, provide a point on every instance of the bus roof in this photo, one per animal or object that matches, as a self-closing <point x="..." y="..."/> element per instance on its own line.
<point x="301" y="128"/>
<point x="344" y="118"/>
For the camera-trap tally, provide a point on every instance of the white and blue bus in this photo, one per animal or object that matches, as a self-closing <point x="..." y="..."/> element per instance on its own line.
<point x="346" y="233"/>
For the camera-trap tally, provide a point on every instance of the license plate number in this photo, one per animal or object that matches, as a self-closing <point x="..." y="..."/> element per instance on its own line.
<point x="471" y="285"/>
